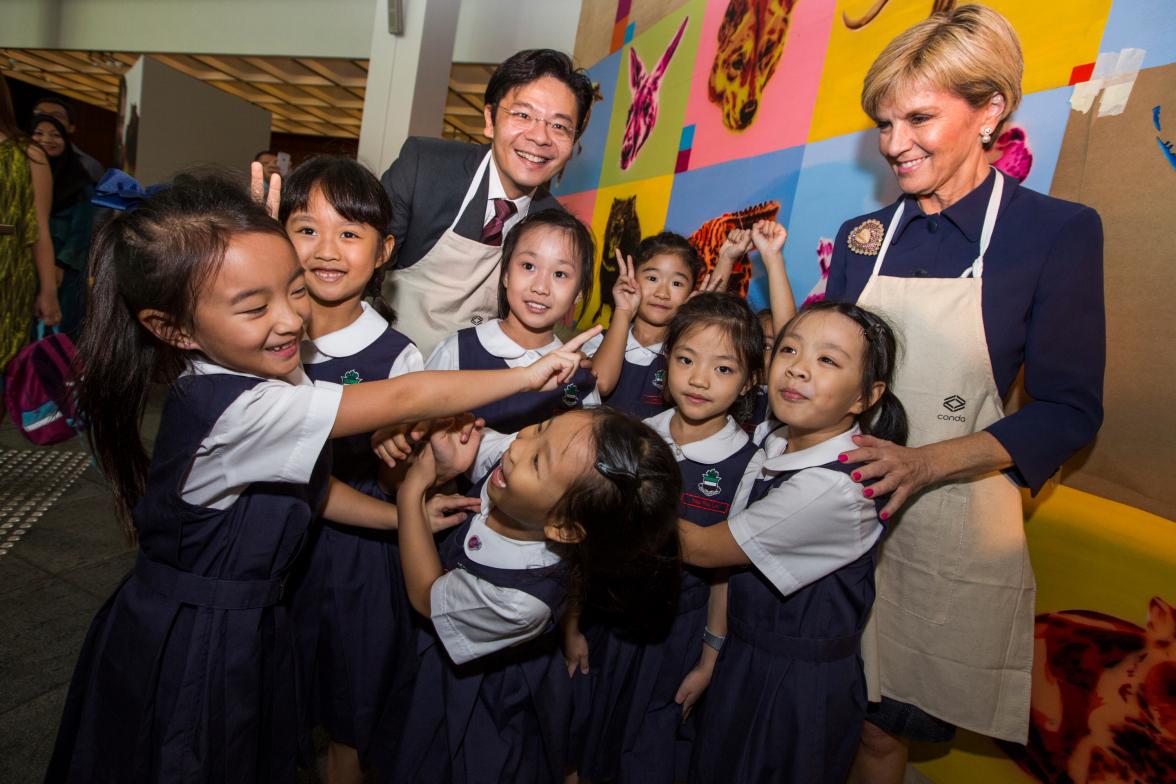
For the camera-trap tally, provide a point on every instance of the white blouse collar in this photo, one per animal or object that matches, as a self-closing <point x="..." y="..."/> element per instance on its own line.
<point x="490" y="548"/>
<point x="202" y="367"/>
<point x="349" y="340"/>
<point x="712" y="449"/>
<point x="494" y="340"/>
<point x="777" y="460"/>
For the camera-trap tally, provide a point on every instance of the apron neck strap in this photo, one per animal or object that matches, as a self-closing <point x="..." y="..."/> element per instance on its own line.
<point x="976" y="269"/>
<point x="469" y="196"/>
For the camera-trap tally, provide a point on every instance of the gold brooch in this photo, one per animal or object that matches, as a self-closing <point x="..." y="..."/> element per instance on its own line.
<point x="866" y="239"/>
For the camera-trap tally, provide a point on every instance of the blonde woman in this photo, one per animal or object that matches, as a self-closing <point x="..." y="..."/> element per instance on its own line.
<point x="983" y="279"/>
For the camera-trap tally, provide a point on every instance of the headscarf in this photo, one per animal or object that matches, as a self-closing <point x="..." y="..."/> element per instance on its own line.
<point x="70" y="178"/>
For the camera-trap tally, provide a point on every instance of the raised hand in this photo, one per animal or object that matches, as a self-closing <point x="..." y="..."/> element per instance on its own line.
<point x="455" y="445"/>
<point x="734" y="248"/>
<point x="270" y="200"/>
<point x="626" y="292"/>
<point x="446" y="511"/>
<point x="558" y="367"/>
<point x="768" y="237"/>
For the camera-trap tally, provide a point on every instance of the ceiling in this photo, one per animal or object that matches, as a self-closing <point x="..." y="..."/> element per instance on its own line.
<point x="307" y="95"/>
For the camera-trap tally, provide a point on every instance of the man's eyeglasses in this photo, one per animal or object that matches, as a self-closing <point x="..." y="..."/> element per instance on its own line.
<point x="523" y="120"/>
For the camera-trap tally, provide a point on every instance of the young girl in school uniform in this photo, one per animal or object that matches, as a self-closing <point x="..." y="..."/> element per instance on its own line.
<point x="586" y="500"/>
<point x="357" y="642"/>
<point x="546" y="270"/>
<point x="640" y="724"/>
<point x="629" y="364"/>
<point x="186" y="673"/>
<point x="788" y="696"/>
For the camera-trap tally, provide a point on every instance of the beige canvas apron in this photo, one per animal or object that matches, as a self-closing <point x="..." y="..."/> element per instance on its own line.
<point x="455" y="284"/>
<point x="952" y="627"/>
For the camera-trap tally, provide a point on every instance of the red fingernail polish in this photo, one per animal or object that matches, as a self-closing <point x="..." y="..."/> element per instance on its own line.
<point x="843" y="458"/>
<point x="857" y="476"/>
<point x="885" y="515"/>
<point x="868" y="492"/>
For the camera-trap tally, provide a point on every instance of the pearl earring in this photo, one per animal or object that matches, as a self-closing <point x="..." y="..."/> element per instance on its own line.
<point x="985" y="135"/>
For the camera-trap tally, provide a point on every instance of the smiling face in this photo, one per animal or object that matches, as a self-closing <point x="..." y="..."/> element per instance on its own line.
<point x="526" y="150"/>
<point x="539" y="467"/>
<point x="665" y="281"/>
<point x="338" y="255"/>
<point x="541" y="278"/>
<point x="250" y="316"/>
<point x="815" y="382"/>
<point x="706" y="375"/>
<point x="47" y="135"/>
<point x="931" y="139"/>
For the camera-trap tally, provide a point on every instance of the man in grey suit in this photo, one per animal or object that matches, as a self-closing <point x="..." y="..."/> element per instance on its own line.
<point x="453" y="202"/>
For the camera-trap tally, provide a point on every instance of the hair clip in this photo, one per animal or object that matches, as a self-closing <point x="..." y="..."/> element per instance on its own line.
<point x="615" y="473"/>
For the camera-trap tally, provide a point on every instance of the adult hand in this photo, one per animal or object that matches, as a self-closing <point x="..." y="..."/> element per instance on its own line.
<point x="47" y="308"/>
<point x="626" y="292"/>
<point x="273" y="198"/>
<point x="900" y="471"/>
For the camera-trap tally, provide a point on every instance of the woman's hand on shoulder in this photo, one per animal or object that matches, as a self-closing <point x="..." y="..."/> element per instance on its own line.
<point x="894" y="470"/>
<point x="558" y="367"/>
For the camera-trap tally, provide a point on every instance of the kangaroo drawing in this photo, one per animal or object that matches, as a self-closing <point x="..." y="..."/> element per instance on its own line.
<point x="643" y="109"/>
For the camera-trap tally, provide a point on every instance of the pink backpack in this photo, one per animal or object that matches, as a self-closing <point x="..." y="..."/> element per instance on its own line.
<point x="38" y="389"/>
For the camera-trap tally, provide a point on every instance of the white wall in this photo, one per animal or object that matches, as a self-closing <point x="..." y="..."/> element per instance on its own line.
<point x="184" y="122"/>
<point x="488" y="30"/>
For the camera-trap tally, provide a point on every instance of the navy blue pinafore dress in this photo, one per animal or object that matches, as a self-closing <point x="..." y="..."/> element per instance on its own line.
<point x="501" y="718"/>
<point x="639" y="389"/>
<point x="355" y="625"/>
<point x="526" y="408"/>
<point x="634" y="730"/>
<point x="187" y="673"/>
<point x="788" y="696"/>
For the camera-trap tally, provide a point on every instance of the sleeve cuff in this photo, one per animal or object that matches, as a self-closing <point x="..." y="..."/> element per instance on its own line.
<point x="760" y="558"/>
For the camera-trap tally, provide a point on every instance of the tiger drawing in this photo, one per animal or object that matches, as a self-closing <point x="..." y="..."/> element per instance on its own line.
<point x="709" y="238"/>
<point x="751" y="40"/>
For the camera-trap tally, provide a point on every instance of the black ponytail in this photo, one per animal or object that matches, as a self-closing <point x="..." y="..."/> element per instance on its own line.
<point x="156" y="258"/>
<point x="886" y="418"/>
<point x="627" y="563"/>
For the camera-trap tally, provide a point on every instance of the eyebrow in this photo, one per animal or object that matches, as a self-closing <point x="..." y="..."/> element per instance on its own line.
<point x="833" y="347"/>
<point x="556" y="116"/>
<point x="244" y="295"/>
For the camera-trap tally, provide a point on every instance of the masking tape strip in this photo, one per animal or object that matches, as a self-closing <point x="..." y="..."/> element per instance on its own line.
<point x="1085" y="93"/>
<point x="1118" y="87"/>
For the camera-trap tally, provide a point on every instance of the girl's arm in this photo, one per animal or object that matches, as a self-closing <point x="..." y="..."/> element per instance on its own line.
<point x="47" y="308"/>
<point x="347" y="505"/>
<point x="365" y="408"/>
<point x="575" y="645"/>
<point x="710" y="547"/>
<point x="418" y="552"/>
<point x="696" y="681"/>
<point x="769" y="240"/>
<point x="610" y="357"/>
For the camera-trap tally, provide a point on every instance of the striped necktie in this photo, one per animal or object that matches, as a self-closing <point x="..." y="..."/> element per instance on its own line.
<point x="504" y="209"/>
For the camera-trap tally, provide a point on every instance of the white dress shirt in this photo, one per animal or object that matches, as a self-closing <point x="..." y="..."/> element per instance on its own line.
<point x="635" y="353"/>
<point x="496" y="191"/>
<point x="811" y="525"/>
<point x="273" y="432"/>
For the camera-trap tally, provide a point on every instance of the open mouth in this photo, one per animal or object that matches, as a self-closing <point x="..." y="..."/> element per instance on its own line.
<point x="537" y="160"/>
<point x="911" y="165"/>
<point x="498" y="477"/>
<point x="285" y="350"/>
<point x="328" y="275"/>
<point x="538" y="308"/>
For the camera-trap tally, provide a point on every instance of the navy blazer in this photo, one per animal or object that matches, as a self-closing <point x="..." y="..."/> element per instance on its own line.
<point x="426" y="185"/>
<point x="1042" y="306"/>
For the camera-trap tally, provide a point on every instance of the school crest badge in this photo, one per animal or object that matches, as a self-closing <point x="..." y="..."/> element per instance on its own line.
<point x="709" y="486"/>
<point x="659" y="379"/>
<point x="571" y="395"/>
<point x="351" y="377"/>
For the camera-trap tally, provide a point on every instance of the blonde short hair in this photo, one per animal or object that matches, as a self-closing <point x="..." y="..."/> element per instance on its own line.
<point x="972" y="51"/>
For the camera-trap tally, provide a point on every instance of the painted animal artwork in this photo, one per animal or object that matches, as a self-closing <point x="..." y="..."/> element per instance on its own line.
<point x="709" y="237"/>
<point x="1104" y="699"/>
<point x="645" y="86"/>
<point x="623" y="232"/>
<point x="856" y="24"/>
<point x="751" y="40"/>
<point x="1011" y="153"/>
<point x="824" y="259"/>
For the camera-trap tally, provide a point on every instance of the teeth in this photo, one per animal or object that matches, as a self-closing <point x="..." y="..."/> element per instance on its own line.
<point x="910" y="164"/>
<point x="328" y="275"/>
<point x="529" y="157"/>
<point x="538" y="306"/>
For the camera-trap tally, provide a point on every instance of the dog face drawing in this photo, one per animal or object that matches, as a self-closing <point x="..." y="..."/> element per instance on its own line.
<point x="751" y="40"/>
<point x="645" y="87"/>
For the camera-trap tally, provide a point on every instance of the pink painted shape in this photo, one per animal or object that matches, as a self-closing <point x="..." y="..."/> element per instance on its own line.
<point x="644" y="86"/>
<point x="582" y="205"/>
<point x="786" y="106"/>
<point x="683" y="161"/>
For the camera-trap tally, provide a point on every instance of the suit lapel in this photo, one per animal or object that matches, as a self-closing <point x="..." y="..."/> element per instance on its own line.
<point x="469" y="225"/>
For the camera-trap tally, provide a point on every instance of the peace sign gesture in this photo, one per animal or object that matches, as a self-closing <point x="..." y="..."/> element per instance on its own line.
<point x="626" y="292"/>
<point x="269" y="200"/>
